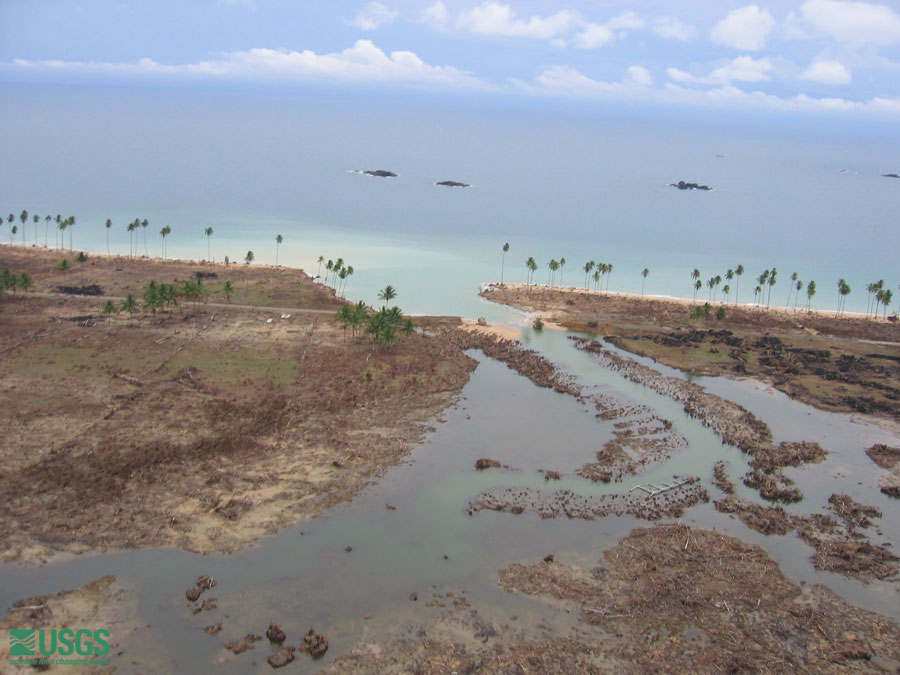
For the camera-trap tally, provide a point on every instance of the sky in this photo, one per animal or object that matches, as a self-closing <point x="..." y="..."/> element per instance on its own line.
<point x="802" y="57"/>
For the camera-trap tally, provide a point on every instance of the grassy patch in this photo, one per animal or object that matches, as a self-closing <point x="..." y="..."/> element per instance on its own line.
<point x="236" y="368"/>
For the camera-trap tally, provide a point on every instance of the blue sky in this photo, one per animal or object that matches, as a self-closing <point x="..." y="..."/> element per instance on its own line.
<point x="803" y="57"/>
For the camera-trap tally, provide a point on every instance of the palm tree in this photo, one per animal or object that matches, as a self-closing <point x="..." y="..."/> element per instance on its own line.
<point x="810" y="292"/>
<point x="320" y="260"/>
<point x="387" y="294"/>
<point x="503" y="261"/>
<point x="553" y="265"/>
<point x="129" y="304"/>
<point x="348" y="272"/>
<point x="24" y="218"/>
<point x="36" y="219"/>
<point x="756" y="292"/>
<point x="709" y="285"/>
<point x="164" y="232"/>
<point x="345" y="316"/>
<point x="562" y="263"/>
<point x="63" y="265"/>
<point x="726" y="289"/>
<point x="794" y="278"/>
<point x="644" y="274"/>
<point x="716" y="281"/>
<point x="47" y="220"/>
<point x="328" y="268"/>
<point x="738" y="272"/>
<point x="531" y="267"/>
<point x="108" y="225"/>
<point x="278" y="240"/>
<point x="81" y="258"/>
<point x="409" y="327"/>
<point x="798" y="285"/>
<point x="249" y="257"/>
<point x="609" y="271"/>
<point x="25" y="282"/>
<point x="588" y="266"/>
<point x="69" y="226"/>
<point x="843" y="291"/>
<point x="887" y="297"/>
<point x="228" y="289"/>
<point x="697" y="286"/>
<point x="58" y="221"/>
<point x="208" y="232"/>
<point x="772" y="276"/>
<point x="144" y="224"/>
<point x="131" y="227"/>
<point x="12" y="233"/>
<point x="695" y="275"/>
<point x="109" y="308"/>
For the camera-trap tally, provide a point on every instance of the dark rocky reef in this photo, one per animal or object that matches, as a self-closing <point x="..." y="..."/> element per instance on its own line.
<point x="380" y="173"/>
<point x="890" y="175"/>
<point x="681" y="185"/>
<point x="452" y="183"/>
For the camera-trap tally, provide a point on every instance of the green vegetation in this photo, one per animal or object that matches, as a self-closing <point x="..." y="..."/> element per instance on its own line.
<point x="278" y="240"/>
<point x="249" y="257"/>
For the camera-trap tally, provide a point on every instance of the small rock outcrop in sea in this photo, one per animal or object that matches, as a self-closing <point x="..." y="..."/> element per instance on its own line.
<point x="380" y="173"/>
<point x="890" y="175"/>
<point x="681" y="185"/>
<point x="452" y="183"/>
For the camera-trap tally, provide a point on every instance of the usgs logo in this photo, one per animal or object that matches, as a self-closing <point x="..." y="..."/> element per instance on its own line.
<point x="84" y="642"/>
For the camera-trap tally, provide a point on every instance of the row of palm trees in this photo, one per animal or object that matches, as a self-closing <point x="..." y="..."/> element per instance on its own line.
<point x="879" y="296"/>
<point x="62" y="224"/>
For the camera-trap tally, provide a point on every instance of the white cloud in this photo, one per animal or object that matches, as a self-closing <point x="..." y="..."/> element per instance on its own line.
<point x="435" y="16"/>
<point x="856" y="22"/>
<point x="674" y="29"/>
<point x="742" y="69"/>
<point x="827" y="72"/>
<point x="566" y="82"/>
<point x="364" y="62"/>
<point x="594" y="35"/>
<point x="640" y="75"/>
<point x="626" y="21"/>
<point x="492" y="18"/>
<point x="745" y="28"/>
<point x="374" y="16"/>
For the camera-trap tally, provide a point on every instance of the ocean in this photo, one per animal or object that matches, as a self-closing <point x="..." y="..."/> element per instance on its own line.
<point x="576" y="181"/>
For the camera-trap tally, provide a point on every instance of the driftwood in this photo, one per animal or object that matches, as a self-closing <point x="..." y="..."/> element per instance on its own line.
<point x="130" y="380"/>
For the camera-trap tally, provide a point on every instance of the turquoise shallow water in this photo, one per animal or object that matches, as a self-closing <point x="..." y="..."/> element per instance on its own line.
<point x="554" y="183"/>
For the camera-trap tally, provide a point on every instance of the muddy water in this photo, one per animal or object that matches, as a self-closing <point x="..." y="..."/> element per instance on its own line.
<point x="427" y="544"/>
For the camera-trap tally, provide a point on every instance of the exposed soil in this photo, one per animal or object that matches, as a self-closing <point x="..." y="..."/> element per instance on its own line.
<point x="202" y="428"/>
<point x="843" y="363"/>
<point x="887" y="458"/>
<point x="666" y="599"/>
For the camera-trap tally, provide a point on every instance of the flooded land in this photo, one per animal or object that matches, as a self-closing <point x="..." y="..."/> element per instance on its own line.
<point x="237" y="482"/>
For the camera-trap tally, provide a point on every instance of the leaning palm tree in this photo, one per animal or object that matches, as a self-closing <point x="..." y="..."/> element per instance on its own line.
<point x="108" y="225"/>
<point x="553" y="265"/>
<point x="503" y="261"/>
<point x="794" y="277"/>
<point x="756" y="293"/>
<point x="131" y="227"/>
<point x="644" y="274"/>
<point x="278" y="240"/>
<point x="695" y="275"/>
<point x="772" y="275"/>
<point x="208" y="232"/>
<point x="387" y="294"/>
<point x="798" y="286"/>
<point x="698" y="285"/>
<point x="810" y="292"/>
<point x="887" y="297"/>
